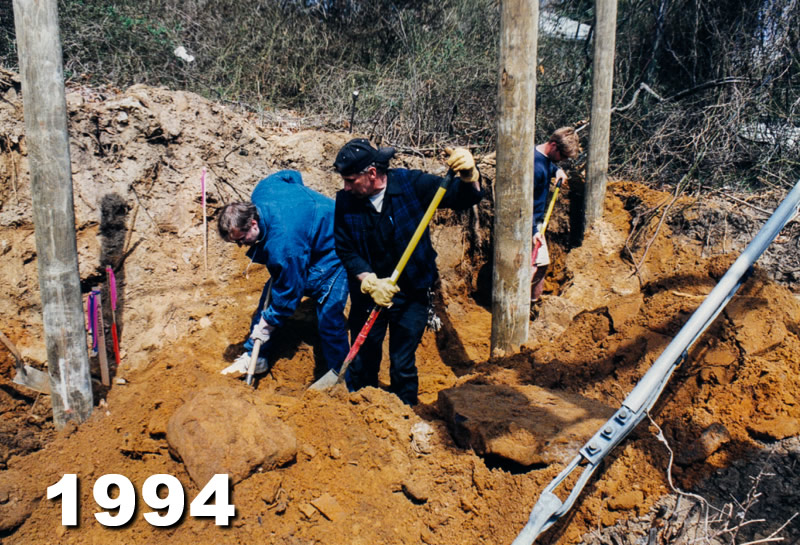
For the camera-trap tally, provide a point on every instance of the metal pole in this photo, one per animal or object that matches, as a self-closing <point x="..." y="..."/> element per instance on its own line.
<point x="549" y="508"/>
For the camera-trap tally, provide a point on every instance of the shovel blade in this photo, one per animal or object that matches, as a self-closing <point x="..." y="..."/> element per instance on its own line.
<point x="33" y="378"/>
<point x="325" y="382"/>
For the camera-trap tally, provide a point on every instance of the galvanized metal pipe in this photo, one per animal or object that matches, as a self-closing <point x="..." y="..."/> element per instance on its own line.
<point x="634" y="408"/>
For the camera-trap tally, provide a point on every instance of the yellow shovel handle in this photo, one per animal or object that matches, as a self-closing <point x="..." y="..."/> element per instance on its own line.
<point x="550" y="206"/>
<point x="423" y="224"/>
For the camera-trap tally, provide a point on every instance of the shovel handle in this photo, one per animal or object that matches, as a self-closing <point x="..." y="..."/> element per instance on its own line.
<point x="115" y="337"/>
<point x="362" y="336"/>
<point x="423" y="224"/>
<point x="251" y="369"/>
<point x="538" y="244"/>
<point x="552" y="204"/>
<point x="12" y="348"/>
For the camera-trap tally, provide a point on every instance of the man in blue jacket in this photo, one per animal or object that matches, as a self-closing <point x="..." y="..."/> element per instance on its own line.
<point x="289" y="228"/>
<point x="377" y="213"/>
<point x="563" y="144"/>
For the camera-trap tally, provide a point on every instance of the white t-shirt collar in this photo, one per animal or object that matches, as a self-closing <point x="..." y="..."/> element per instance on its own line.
<point x="377" y="199"/>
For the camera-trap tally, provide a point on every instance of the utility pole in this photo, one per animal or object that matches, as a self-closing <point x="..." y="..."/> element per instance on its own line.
<point x="513" y="219"/>
<point x="600" y="127"/>
<point x="45" y="107"/>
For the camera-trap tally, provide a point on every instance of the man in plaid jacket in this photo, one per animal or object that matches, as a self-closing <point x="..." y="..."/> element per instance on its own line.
<point x="376" y="215"/>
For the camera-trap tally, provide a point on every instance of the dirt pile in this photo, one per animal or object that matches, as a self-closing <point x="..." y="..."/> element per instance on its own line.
<point x="359" y="473"/>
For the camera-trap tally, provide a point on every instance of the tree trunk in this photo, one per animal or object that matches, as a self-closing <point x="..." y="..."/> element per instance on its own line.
<point x="602" y="88"/>
<point x="44" y="102"/>
<point x="513" y="220"/>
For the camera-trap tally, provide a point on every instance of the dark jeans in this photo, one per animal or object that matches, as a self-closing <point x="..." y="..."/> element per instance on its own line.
<point x="405" y="320"/>
<point x="330" y="321"/>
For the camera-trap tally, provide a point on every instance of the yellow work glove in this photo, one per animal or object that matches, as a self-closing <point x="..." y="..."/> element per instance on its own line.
<point x="461" y="160"/>
<point x="380" y="289"/>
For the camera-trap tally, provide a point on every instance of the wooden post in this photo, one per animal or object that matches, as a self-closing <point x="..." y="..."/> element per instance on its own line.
<point x="102" y="354"/>
<point x="600" y="127"/>
<point x="513" y="220"/>
<point x="44" y="102"/>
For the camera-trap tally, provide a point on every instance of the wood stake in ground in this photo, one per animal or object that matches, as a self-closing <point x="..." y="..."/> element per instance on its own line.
<point x="205" y="222"/>
<point x="101" y="342"/>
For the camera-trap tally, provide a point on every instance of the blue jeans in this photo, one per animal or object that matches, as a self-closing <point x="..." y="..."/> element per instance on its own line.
<point x="405" y="320"/>
<point x="331" y="322"/>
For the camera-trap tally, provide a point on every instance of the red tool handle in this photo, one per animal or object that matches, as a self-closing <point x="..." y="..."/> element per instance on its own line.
<point x="536" y="247"/>
<point x="116" y="341"/>
<point x="362" y="336"/>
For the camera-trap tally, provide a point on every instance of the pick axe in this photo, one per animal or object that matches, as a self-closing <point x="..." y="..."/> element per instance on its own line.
<point x="331" y="378"/>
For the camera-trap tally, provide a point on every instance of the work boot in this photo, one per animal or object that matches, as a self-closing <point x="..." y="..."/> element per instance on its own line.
<point x="535" y="306"/>
<point x="239" y="366"/>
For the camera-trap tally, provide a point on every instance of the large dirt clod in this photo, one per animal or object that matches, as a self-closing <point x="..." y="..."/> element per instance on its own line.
<point x="527" y="425"/>
<point x="220" y="432"/>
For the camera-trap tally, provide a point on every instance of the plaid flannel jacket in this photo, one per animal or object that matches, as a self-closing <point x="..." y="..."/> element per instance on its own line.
<point x="408" y="194"/>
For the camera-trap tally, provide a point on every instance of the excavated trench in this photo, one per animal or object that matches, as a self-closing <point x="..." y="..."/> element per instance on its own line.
<point x="464" y="466"/>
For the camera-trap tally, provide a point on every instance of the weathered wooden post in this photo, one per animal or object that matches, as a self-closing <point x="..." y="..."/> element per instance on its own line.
<point x="513" y="219"/>
<point x="44" y="101"/>
<point x="602" y="89"/>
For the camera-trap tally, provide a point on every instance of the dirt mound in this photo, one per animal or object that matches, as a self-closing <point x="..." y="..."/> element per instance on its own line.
<point x="751" y="500"/>
<point x="359" y="476"/>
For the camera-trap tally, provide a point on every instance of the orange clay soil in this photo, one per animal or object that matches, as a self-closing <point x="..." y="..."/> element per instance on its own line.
<point x="601" y="324"/>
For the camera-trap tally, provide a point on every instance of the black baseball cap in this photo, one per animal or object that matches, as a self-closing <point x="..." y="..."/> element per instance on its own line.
<point x="358" y="154"/>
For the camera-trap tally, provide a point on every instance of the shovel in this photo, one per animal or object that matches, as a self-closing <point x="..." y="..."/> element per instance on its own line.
<point x="544" y="227"/>
<point x="27" y="376"/>
<point x="251" y="369"/>
<point x="331" y="378"/>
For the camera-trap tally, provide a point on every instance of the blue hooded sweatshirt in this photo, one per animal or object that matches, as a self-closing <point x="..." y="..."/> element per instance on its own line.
<point x="296" y="243"/>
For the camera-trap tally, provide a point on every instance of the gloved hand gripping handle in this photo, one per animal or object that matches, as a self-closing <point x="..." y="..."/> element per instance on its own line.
<point x="251" y="369"/>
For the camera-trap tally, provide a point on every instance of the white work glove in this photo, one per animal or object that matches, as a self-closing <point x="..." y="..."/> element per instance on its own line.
<point x="380" y="289"/>
<point x="241" y="365"/>
<point x="262" y="331"/>
<point x="462" y="161"/>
